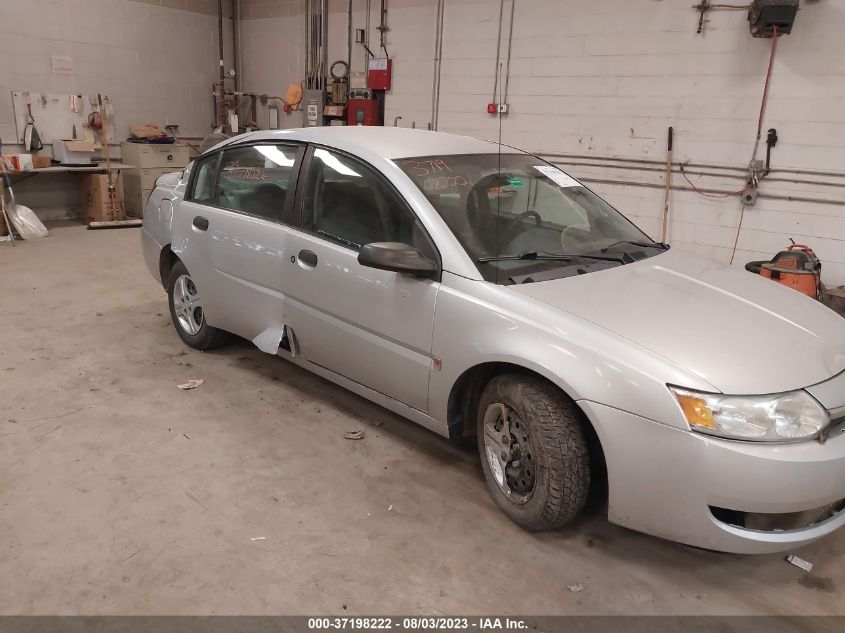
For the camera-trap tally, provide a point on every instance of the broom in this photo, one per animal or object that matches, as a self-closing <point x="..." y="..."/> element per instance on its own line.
<point x="121" y="222"/>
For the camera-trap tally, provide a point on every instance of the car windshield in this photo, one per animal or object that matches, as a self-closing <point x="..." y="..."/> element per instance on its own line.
<point x="522" y="219"/>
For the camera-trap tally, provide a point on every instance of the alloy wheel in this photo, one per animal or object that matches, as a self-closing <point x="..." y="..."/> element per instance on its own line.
<point x="187" y="305"/>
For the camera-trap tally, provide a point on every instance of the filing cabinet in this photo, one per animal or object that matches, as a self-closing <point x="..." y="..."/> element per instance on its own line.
<point x="149" y="161"/>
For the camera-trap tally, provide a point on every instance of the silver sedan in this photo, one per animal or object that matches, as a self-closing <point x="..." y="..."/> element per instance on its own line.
<point x="484" y="293"/>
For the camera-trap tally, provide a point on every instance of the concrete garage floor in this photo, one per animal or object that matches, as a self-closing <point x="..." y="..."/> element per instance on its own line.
<point x="121" y="494"/>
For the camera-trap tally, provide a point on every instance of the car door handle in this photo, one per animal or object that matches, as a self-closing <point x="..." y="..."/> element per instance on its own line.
<point x="308" y="258"/>
<point x="201" y="223"/>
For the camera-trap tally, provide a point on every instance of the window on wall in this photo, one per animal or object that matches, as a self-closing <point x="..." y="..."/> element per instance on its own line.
<point x="255" y="179"/>
<point x="350" y="203"/>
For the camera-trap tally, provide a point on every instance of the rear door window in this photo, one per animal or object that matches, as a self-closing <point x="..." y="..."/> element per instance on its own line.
<point x="256" y="180"/>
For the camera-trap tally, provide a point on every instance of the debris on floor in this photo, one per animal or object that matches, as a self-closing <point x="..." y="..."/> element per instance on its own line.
<point x="191" y="384"/>
<point x="390" y="507"/>
<point x="576" y="588"/>
<point x="258" y="538"/>
<point x="354" y="435"/>
<point x="800" y="562"/>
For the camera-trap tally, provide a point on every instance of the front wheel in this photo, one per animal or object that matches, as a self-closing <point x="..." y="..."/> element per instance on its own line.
<point x="187" y="311"/>
<point x="533" y="451"/>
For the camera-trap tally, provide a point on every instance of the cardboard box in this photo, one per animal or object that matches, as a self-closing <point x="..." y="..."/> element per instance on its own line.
<point x="97" y="200"/>
<point x="70" y="152"/>
<point x="17" y="162"/>
<point x="40" y="162"/>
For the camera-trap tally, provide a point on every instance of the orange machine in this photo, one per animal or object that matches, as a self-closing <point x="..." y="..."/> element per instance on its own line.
<point x="797" y="268"/>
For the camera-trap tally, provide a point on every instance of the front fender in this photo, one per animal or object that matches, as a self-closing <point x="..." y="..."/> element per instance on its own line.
<point x="478" y="322"/>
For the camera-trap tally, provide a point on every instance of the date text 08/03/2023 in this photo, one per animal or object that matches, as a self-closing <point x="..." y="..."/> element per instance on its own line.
<point x="417" y="623"/>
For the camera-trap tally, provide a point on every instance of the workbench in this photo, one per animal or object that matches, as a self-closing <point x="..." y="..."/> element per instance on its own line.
<point x="99" y="168"/>
<point x="17" y="177"/>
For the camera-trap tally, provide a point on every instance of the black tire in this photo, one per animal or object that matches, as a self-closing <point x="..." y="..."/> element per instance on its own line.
<point x="205" y="337"/>
<point x="547" y="431"/>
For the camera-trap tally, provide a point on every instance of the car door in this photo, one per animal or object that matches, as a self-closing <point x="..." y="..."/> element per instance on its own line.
<point x="371" y="326"/>
<point x="238" y="235"/>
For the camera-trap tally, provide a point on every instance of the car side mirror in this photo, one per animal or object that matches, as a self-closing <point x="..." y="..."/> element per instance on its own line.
<point x="396" y="257"/>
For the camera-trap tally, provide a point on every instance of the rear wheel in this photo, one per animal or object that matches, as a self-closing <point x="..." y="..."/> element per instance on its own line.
<point x="187" y="311"/>
<point x="533" y="451"/>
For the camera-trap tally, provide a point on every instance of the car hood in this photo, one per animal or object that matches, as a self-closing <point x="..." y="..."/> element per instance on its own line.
<point x="741" y="333"/>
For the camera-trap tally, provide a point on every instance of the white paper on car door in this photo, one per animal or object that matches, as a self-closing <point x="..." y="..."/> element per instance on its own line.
<point x="559" y="177"/>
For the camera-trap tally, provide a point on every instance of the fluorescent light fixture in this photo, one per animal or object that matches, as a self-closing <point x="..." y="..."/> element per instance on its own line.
<point x="333" y="163"/>
<point x="273" y="153"/>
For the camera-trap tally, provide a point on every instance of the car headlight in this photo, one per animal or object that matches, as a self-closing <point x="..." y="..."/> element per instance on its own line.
<point x="776" y="418"/>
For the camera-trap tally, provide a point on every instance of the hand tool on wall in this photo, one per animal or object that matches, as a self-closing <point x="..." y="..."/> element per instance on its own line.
<point x="31" y="138"/>
<point x="668" y="194"/>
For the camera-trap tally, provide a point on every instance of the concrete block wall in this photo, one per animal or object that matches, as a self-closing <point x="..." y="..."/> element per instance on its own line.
<point x="273" y="45"/>
<point x="155" y="59"/>
<point x="274" y="56"/>
<point x="604" y="79"/>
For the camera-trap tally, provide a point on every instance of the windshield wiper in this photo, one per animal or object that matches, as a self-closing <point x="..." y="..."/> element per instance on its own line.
<point x="659" y="245"/>
<point x="547" y="256"/>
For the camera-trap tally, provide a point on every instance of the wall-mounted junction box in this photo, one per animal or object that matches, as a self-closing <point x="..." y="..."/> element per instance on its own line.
<point x="766" y="15"/>
<point x="313" y="102"/>
<point x="379" y="73"/>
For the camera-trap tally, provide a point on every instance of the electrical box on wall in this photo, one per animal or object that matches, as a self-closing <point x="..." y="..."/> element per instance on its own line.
<point x="379" y="73"/>
<point x="766" y="15"/>
<point x="362" y="112"/>
<point x="313" y="102"/>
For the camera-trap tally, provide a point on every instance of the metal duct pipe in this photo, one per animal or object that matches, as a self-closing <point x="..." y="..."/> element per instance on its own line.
<point x="236" y="41"/>
<point x="510" y="46"/>
<point x="221" y="89"/>
<point x="367" y="33"/>
<point x="382" y="27"/>
<point x="495" y="98"/>
<point x="324" y="65"/>
<point x="349" y="39"/>
<point x="438" y="57"/>
<point x="307" y="40"/>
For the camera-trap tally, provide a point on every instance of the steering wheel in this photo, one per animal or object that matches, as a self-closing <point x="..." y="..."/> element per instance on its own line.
<point x="514" y="224"/>
<point x="572" y="227"/>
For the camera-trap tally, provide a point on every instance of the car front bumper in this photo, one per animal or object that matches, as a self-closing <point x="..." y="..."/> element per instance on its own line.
<point x="664" y="481"/>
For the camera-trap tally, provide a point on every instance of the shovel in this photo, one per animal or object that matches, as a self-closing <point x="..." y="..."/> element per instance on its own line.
<point x="18" y="217"/>
<point x="31" y="137"/>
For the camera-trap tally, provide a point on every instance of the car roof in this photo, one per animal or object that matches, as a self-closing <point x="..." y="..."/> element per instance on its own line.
<point x="388" y="142"/>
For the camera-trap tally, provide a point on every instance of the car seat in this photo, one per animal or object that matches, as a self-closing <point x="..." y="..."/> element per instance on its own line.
<point x="266" y="200"/>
